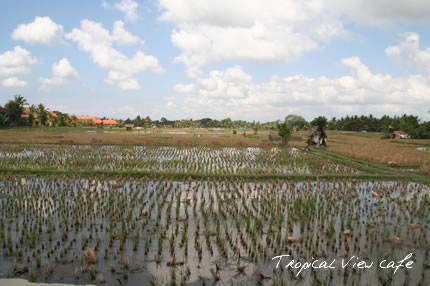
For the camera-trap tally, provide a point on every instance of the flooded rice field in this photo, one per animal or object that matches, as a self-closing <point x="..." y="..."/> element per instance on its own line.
<point x="161" y="232"/>
<point x="200" y="159"/>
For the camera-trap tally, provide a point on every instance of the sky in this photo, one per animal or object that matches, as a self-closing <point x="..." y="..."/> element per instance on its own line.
<point x="243" y="59"/>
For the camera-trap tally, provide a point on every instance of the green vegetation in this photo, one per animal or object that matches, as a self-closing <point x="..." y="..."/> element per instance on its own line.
<point x="285" y="131"/>
<point x="191" y="213"/>
<point x="40" y="116"/>
<point x="407" y="123"/>
<point x="320" y="121"/>
<point x="224" y="230"/>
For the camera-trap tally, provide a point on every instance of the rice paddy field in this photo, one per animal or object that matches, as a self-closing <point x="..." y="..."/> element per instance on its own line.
<point x="204" y="214"/>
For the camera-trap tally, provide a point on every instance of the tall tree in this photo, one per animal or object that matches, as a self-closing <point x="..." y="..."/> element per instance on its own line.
<point x="42" y="114"/>
<point x="16" y="108"/>
<point x="147" y="122"/>
<point x="320" y="121"/>
<point x="255" y="127"/>
<point x="296" y="121"/>
<point x="285" y="131"/>
<point x="32" y="115"/>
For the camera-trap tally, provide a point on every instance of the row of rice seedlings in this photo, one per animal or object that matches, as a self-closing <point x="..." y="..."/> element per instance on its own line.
<point x="200" y="159"/>
<point x="189" y="226"/>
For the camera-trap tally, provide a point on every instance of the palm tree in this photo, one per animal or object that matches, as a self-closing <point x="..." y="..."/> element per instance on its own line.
<point x="31" y="115"/>
<point x="42" y="114"/>
<point x="16" y="108"/>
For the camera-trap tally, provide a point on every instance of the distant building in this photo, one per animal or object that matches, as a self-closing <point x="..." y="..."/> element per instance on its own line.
<point x="129" y="127"/>
<point x="97" y="121"/>
<point x="91" y="120"/>
<point x="109" y="122"/>
<point x="272" y="136"/>
<point x="3" y="110"/>
<point x="400" y="135"/>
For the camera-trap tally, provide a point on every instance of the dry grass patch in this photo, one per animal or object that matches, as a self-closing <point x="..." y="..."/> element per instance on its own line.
<point x="377" y="150"/>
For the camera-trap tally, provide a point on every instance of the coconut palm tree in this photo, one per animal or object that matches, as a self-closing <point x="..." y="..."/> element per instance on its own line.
<point x="16" y="108"/>
<point x="32" y="115"/>
<point x="42" y="114"/>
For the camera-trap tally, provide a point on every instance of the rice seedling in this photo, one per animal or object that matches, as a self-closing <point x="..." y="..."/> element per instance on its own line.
<point x="214" y="228"/>
<point x="199" y="159"/>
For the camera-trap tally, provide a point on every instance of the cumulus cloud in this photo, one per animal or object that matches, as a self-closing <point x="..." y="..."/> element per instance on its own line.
<point x="410" y="48"/>
<point x="62" y="73"/>
<point x="209" y="32"/>
<point x="234" y="93"/>
<point x="123" y="37"/>
<point x="13" y="82"/>
<point x="42" y="30"/>
<point x="184" y="88"/>
<point x="15" y="62"/>
<point x="382" y="12"/>
<point x="128" y="7"/>
<point x="97" y="41"/>
<point x="18" y="61"/>
<point x="170" y="103"/>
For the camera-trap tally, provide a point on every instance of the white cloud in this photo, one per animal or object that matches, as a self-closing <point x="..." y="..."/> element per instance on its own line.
<point x="15" y="62"/>
<point x="184" y="88"/>
<point x="62" y="73"/>
<point x="13" y="82"/>
<point x="42" y="30"/>
<point x="97" y="41"/>
<point x="170" y="103"/>
<point x="233" y="93"/>
<point x="123" y="37"/>
<point x="209" y="32"/>
<point x="128" y="7"/>
<point x="410" y="47"/>
<point x="382" y="12"/>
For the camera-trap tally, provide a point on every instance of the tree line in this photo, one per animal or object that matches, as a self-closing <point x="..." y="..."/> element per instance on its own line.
<point x="408" y="123"/>
<point x="38" y="115"/>
<point x="17" y="112"/>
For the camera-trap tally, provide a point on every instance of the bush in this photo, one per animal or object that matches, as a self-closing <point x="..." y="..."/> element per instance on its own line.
<point x="285" y="131"/>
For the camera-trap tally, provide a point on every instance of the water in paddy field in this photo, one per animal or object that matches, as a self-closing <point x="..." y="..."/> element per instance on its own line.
<point x="197" y="232"/>
<point x="196" y="160"/>
<point x="217" y="134"/>
<point x="423" y="148"/>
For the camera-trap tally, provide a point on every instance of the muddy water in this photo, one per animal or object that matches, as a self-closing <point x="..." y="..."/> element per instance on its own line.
<point x="139" y="226"/>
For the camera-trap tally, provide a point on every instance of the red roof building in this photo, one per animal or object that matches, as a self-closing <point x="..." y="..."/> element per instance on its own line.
<point x="96" y="120"/>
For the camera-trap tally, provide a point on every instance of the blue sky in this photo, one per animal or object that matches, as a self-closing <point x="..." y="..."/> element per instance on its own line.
<point x="241" y="59"/>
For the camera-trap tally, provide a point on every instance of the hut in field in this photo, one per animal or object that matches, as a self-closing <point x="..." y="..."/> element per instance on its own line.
<point x="400" y="135"/>
<point x="129" y="127"/>
<point x="317" y="137"/>
<point x="272" y="136"/>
